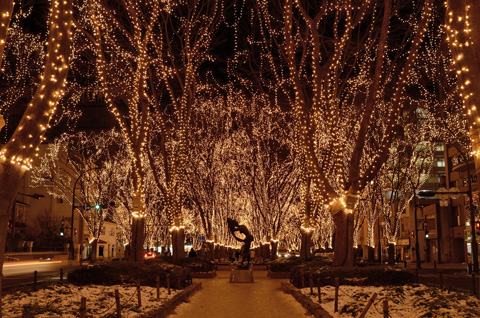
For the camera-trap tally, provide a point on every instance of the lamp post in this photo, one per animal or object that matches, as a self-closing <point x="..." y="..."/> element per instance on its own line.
<point x="35" y="195"/>
<point x="71" y="253"/>
<point x="417" y="245"/>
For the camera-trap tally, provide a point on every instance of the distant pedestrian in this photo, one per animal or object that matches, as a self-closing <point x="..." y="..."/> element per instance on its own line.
<point x="192" y="253"/>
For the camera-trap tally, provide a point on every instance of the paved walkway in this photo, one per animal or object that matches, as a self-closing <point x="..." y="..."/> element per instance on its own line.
<point x="220" y="298"/>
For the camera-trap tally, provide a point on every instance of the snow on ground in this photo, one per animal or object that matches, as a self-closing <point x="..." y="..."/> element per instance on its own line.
<point x="63" y="300"/>
<point x="404" y="301"/>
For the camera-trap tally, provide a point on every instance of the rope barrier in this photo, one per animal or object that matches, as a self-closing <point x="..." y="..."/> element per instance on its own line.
<point x="364" y="301"/>
<point x="114" y="302"/>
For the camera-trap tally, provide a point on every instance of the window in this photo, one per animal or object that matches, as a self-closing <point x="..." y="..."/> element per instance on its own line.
<point x="111" y="232"/>
<point x="439" y="147"/>
<point x="103" y="230"/>
<point x="440" y="162"/>
<point x="455" y="216"/>
<point x="431" y="224"/>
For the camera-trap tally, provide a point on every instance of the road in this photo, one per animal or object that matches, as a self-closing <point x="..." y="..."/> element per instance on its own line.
<point x="451" y="279"/>
<point x="19" y="273"/>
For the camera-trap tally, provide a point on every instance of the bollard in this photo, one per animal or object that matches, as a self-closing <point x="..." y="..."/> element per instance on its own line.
<point x="478" y="288"/>
<point x="367" y="307"/>
<point x="83" y="307"/>
<point x="434" y="264"/>
<point x="168" y="283"/>
<point x="405" y="264"/>
<point x="310" y="282"/>
<point x="416" y="275"/>
<point x="139" y="294"/>
<point x="157" y="283"/>
<point x="179" y="282"/>
<point x="117" y="302"/>
<point x="302" y="280"/>
<point x="335" y="307"/>
<point x="61" y="274"/>
<point x="473" y="283"/>
<point x="35" y="279"/>
<point x="1" y="294"/>
<point x="319" y="292"/>
<point x="385" y="309"/>
<point x="440" y="272"/>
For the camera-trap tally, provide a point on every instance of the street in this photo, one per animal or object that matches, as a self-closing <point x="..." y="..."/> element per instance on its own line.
<point x="19" y="273"/>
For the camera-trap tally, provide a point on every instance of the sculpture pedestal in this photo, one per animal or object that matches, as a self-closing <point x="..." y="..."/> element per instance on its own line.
<point x="241" y="276"/>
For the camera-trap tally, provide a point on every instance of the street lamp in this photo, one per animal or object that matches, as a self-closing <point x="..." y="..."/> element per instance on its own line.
<point x="71" y="255"/>
<point x="417" y="245"/>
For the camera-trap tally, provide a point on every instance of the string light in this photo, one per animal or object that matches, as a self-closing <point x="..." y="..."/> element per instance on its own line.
<point x="22" y="147"/>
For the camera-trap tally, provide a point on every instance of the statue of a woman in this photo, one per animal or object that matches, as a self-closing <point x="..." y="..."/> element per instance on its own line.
<point x="247" y="241"/>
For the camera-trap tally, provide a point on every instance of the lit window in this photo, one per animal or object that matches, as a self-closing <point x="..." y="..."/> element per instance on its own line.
<point x="439" y="147"/>
<point x="441" y="162"/>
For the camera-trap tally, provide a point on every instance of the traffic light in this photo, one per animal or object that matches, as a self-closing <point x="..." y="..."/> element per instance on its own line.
<point x="427" y="235"/>
<point x="477" y="228"/>
<point x="97" y="206"/>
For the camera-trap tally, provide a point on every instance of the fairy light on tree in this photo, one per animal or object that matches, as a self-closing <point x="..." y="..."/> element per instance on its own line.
<point x="463" y="35"/>
<point x="341" y="84"/>
<point x="148" y="54"/>
<point x="17" y="155"/>
<point x="72" y="156"/>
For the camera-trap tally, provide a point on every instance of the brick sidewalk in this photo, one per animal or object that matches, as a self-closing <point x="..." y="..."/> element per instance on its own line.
<point x="219" y="298"/>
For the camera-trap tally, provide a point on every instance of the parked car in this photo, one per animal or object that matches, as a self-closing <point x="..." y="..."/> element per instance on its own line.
<point x="150" y="255"/>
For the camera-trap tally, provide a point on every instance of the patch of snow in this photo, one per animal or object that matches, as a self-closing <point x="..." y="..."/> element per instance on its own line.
<point x="410" y="301"/>
<point x="63" y="300"/>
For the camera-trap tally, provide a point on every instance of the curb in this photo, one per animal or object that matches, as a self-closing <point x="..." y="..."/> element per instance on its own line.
<point x="305" y="301"/>
<point x="172" y="303"/>
<point x="282" y="275"/>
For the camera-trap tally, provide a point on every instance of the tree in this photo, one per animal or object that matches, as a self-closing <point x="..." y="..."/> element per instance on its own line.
<point x="342" y="71"/>
<point x="17" y="155"/>
<point x="148" y="55"/>
<point x="98" y="166"/>
<point x="402" y="175"/>
<point x="272" y="176"/>
<point x="463" y="35"/>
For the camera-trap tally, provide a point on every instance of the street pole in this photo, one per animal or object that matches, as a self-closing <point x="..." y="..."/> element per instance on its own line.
<point x="71" y="254"/>
<point x="472" y="226"/>
<point x="379" y="252"/>
<point x="417" y="246"/>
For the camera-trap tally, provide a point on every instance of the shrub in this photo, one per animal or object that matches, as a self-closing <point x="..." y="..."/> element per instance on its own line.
<point x="114" y="273"/>
<point x="284" y="264"/>
<point x="362" y="276"/>
<point x="197" y="264"/>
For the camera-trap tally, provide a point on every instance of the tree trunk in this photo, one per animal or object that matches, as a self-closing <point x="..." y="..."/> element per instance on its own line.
<point x="178" y="244"/>
<point x="43" y="102"/>
<point x="211" y="251"/>
<point x="138" y="238"/>
<point x="305" y="244"/>
<point x="93" y="251"/>
<point x="462" y="15"/>
<point x="274" y="246"/>
<point x="371" y="253"/>
<point x="343" y="249"/>
<point x="11" y="175"/>
<point x="391" y="254"/>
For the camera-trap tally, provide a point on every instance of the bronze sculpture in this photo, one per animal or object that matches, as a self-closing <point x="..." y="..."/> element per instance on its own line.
<point x="245" y="250"/>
